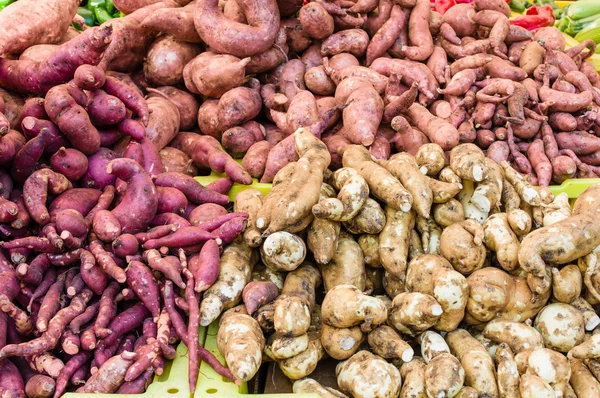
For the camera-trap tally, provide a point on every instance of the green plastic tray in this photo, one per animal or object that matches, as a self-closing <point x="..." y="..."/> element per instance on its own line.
<point x="173" y="383"/>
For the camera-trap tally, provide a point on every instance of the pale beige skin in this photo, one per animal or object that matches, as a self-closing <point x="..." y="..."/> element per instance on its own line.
<point x="347" y="267"/>
<point x="413" y="313"/>
<point x="249" y="201"/>
<point x="405" y="168"/>
<point x="322" y="235"/>
<point x="552" y="367"/>
<point x="432" y="345"/>
<point x="487" y="193"/>
<point x="341" y="343"/>
<point x="282" y="347"/>
<point x="532" y="386"/>
<point x="293" y="307"/>
<point x="467" y="161"/>
<point x="305" y="362"/>
<point x="431" y="159"/>
<point x="368" y="375"/>
<point x="510" y="197"/>
<point x="499" y="237"/>
<point x="311" y="386"/>
<point x="566" y="283"/>
<point x="444" y="376"/>
<point x="443" y="191"/>
<point x="588" y="265"/>
<point x="413" y="379"/>
<point x="369" y="220"/>
<point x="507" y="373"/>
<point x="237" y="261"/>
<point x="583" y="381"/>
<point x="470" y="210"/>
<point x="467" y="392"/>
<point x="519" y="221"/>
<point x="346" y="306"/>
<point x="590" y="317"/>
<point x="475" y="360"/>
<point x="369" y="244"/>
<point x="241" y="342"/>
<point x="558" y="210"/>
<point x="461" y="244"/>
<point x="387" y="343"/>
<point x="561" y="325"/>
<point x="518" y="336"/>
<point x="590" y="349"/>
<point x="526" y="191"/>
<point x="394" y="240"/>
<point x="283" y="251"/>
<point x="353" y="192"/>
<point x="446" y="214"/>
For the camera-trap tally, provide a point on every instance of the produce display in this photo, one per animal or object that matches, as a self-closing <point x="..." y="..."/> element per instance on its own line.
<point x="409" y="232"/>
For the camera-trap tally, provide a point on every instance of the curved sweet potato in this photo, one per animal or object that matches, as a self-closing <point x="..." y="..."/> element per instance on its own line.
<point x="213" y="74"/>
<point x="164" y="120"/>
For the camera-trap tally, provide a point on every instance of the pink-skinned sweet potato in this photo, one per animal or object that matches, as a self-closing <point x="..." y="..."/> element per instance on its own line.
<point x="34" y="107"/>
<point x="205" y="266"/>
<point x="109" y="377"/>
<point x="141" y="281"/>
<point x="64" y="105"/>
<point x="11" y="382"/>
<point x="580" y="142"/>
<point x="125" y="245"/>
<point x="316" y="22"/>
<point x="38" y="53"/>
<point x="272" y="58"/>
<point x="130" y="41"/>
<point x="27" y="160"/>
<point x="36" y="189"/>
<point x="164" y="120"/>
<point x="129" y="6"/>
<point x="208" y="120"/>
<point x="232" y="37"/>
<point x="71" y="220"/>
<point x="353" y="41"/>
<point x="213" y="74"/>
<point x="152" y="161"/>
<point x="207" y="152"/>
<point x="129" y="94"/>
<point x="237" y="140"/>
<point x="362" y="115"/>
<point x="185" y="236"/>
<point x="186" y="103"/>
<point x="257" y="294"/>
<point x="166" y="60"/>
<point x="89" y="77"/>
<point x="192" y="189"/>
<point x="106" y="226"/>
<point x="39" y="77"/>
<point x="10" y="145"/>
<point x="81" y="199"/>
<point x="32" y="127"/>
<point x="139" y="203"/>
<point x="239" y="105"/>
<point x="205" y="213"/>
<point x="176" y="22"/>
<point x="69" y="162"/>
<point x="222" y="185"/>
<point x="171" y="200"/>
<point x="386" y="35"/>
<point x="96" y="175"/>
<point x="177" y="161"/>
<point x="255" y="159"/>
<point x="105" y="109"/>
<point x="34" y="22"/>
<point x="418" y="33"/>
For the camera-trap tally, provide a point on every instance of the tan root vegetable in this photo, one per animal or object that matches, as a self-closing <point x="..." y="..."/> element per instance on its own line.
<point x="322" y="235"/>
<point x="241" y="342"/>
<point x="561" y="325"/>
<point x="369" y="244"/>
<point x="341" y="343"/>
<point x="507" y="373"/>
<point x="590" y="317"/>
<point x="461" y="244"/>
<point x="431" y="159"/>
<point x="446" y="214"/>
<point x="499" y="237"/>
<point x="413" y="379"/>
<point x="475" y="360"/>
<point x="393" y="241"/>
<point x="558" y="210"/>
<point x="444" y="376"/>
<point x="293" y="307"/>
<point x="283" y="251"/>
<point x="534" y="386"/>
<point x="566" y="283"/>
<point x="432" y="345"/>
<point x="369" y="220"/>
<point x="237" y="261"/>
<point x="249" y="201"/>
<point x="347" y="267"/>
<point x="518" y="336"/>
<point x="311" y="386"/>
<point x="552" y="367"/>
<point x="353" y="191"/>
<point x="582" y="381"/>
<point x="412" y="313"/>
<point x="467" y="161"/>
<point x="386" y="343"/>
<point x="365" y="375"/>
<point x="345" y="306"/>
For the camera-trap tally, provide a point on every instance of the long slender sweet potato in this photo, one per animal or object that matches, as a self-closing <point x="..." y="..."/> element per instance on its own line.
<point x="438" y="130"/>
<point x="176" y="22"/>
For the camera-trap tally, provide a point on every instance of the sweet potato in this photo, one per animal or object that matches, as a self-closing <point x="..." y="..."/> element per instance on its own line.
<point x="439" y="131"/>
<point x="316" y="22"/>
<point x="353" y="41"/>
<point x="171" y="200"/>
<point x="47" y="22"/>
<point x="164" y="120"/>
<point x="27" y="158"/>
<point x="166" y="60"/>
<point x="580" y="142"/>
<point x="69" y="162"/>
<point x="140" y="194"/>
<point x="233" y="38"/>
<point x="176" y="161"/>
<point x="96" y="175"/>
<point x="176" y="22"/>
<point x="255" y="159"/>
<point x="39" y="77"/>
<point x="362" y="115"/>
<point x="36" y="190"/>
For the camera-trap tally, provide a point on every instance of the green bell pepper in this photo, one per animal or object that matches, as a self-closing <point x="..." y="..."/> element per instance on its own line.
<point x="110" y="7"/>
<point x="95" y="3"/>
<point x="87" y="15"/>
<point x="4" y="3"/>
<point x="102" y="15"/>
<point x="517" y="6"/>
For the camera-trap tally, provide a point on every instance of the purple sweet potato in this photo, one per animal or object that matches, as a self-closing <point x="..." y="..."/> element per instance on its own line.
<point x="171" y="271"/>
<point x="22" y="219"/>
<point x="10" y="145"/>
<point x="27" y="159"/>
<point x="152" y="159"/>
<point x="125" y="245"/>
<point x="36" y="190"/>
<point x="165" y="219"/>
<point x="239" y="105"/>
<point x="128" y="94"/>
<point x="164" y="120"/>
<point x="80" y="199"/>
<point x="222" y="185"/>
<point x="171" y="200"/>
<point x="11" y="382"/>
<point x="106" y="226"/>
<point x="89" y="77"/>
<point x="33" y="272"/>
<point x="257" y="294"/>
<point x="230" y="230"/>
<point x="205" y="266"/>
<point x="34" y="107"/>
<point x="33" y="127"/>
<point x="177" y="161"/>
<point x="96" y="175"/>
<point x="69" y="162"/>
<point x="71" y="220"/>
<point x="39" y="77"/>
<point x="205" y="213"/>
<point x="105" y="109"/>
<point x="177" y="22"/>
<point x="192" y="189"/>
<point x="185" y="236"/>
<point x="63" y="104"/>
<point x="353" y="41"/>
<point x="139" y="203"/>
<point x="142" y="282"/>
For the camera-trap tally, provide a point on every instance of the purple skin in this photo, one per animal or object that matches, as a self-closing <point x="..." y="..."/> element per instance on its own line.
<point x="134" y="151"/>
<point x="169" y="218"/>
<point x="205" y="266"/>
<point x="125" y="245"/>
<point x="10" y="145"/>
<point x="205" y="213"/>
<point x="89" y="77"/>
<point x="222" y="185"/>
<point x="132" y="128"/>
<point x="257" y="294"/>
<point x="194" y="191"/>
<point x="95" y="278"/>
<point x="138" y="385"/>
<point x="33" y="107"/>
<point x="96" y="175"/>
<point x="54" y="140"/>
<point x="6" y="185"/>
<point x="69" y="162"/>
<point x="130" y="97"/>
<point x="11" y="382"/>
<point x="220" y="221"/>
<point x="37" y="78"/>
<point x="27" y="159"/>
<point x="231" y="229"/>
<point x="152" y="161"/>
<point x="33" y="273"/>
<point x="109" y="136"/>
<point x="72" y="221"/>
<point x="171" y="200"/>
<point x="105" y="109"/>
<point x="125" y="322"/>
<point x="81" y="199"/>
<point x="186" y="236"/>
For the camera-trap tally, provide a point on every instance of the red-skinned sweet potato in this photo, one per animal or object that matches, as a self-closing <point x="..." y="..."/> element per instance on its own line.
<point x="255" y="159"/>
<point x="69" y="162"/>
<point x="166" y="60"/>
<point x="213" y="74"/>
<point x="176" y="161"/>
<point x="164" y="120"/>
<point x="171" y="200"/>
<point x="176" y="22"/>
<point x="187" y="105"/>
<point x="36" y="190"/>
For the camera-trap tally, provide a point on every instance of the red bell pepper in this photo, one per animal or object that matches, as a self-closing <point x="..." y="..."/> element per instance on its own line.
<point x="464" y="1"/>
<point x="535" y="17"/>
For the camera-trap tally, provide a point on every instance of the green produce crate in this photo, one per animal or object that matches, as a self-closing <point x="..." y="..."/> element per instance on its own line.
<point x="173" y="383"/>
